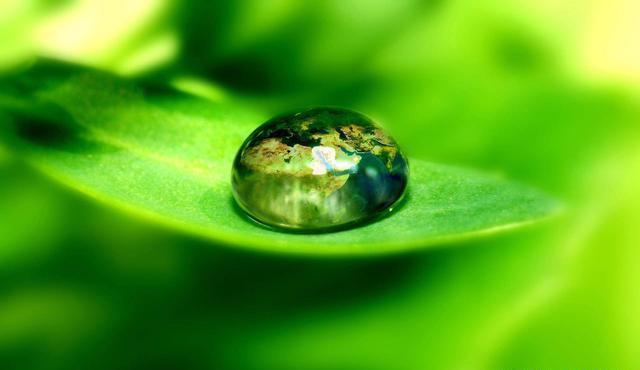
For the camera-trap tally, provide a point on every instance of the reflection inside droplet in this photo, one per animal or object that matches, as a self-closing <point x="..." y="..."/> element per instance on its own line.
<point x="318" y="169"/>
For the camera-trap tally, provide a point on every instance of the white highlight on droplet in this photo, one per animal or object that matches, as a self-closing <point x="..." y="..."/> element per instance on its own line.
<point x="324" y="160"/>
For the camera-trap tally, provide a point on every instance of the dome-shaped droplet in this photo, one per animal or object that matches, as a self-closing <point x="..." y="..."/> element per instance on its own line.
<point x="321" y="168"/>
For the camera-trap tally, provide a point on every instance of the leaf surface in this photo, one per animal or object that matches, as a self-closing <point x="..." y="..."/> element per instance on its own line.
<point x="167" y="155"/>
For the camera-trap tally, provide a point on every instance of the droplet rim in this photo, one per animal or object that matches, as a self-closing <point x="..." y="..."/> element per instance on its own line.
<point x="395" y="205"/>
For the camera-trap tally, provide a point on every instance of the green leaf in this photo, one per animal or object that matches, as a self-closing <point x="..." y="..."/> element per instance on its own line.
<point x="168" y="155"/>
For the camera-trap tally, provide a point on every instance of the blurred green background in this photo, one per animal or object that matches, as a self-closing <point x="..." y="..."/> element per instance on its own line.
<point x="544" y="92"/>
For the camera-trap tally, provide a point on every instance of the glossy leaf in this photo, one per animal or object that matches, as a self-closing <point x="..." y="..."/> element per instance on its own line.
<point x="167" y="155"/>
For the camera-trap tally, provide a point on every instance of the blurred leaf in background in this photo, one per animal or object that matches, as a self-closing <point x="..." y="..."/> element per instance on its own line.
<point x="542" y="92"/>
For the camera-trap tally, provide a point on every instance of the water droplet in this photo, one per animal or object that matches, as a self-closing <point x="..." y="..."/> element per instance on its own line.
<point x="322" y="168"/>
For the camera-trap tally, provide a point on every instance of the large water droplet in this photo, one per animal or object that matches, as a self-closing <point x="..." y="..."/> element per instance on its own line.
<point x="318" y="169"/>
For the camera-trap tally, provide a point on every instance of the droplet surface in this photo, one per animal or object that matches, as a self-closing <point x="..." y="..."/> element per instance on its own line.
<point x="318" y="169"/>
